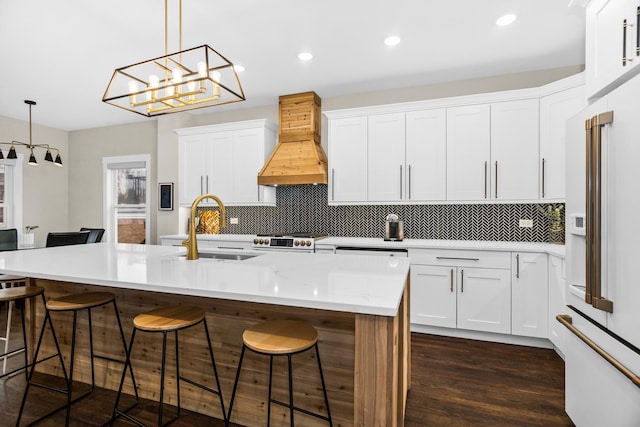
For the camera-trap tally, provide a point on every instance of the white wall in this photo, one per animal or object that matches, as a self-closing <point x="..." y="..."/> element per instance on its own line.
<point x="46" y="186"/>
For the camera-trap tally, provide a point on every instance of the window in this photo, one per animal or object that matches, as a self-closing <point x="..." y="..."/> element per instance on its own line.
<point x="126" y="196"/>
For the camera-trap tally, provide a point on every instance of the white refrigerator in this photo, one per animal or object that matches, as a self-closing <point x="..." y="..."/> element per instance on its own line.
<point x="602" y="316"/>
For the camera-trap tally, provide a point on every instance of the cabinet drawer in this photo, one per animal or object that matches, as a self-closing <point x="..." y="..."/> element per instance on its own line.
<point x="461" y="258"/>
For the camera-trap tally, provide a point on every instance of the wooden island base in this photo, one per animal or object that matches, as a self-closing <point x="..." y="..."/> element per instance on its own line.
<point x="365" y="358"/>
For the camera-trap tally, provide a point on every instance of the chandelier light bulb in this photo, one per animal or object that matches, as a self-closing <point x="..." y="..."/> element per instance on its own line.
<point x="202" y="69"/>
<point x="176" y="75"/>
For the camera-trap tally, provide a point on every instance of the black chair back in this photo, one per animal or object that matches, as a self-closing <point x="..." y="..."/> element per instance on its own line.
<point x="95" y="234"/>
<point x="67" y="238"/>
<point x="8" y="239"/>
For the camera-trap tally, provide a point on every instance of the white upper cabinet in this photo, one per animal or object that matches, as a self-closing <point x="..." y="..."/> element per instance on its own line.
<point x="348" y="160"/>
<point x="426" y="155"/>
<point x="193" y="164"/>
<point x="555" y="110"/>
<point x="407" y="155"/>
<point x="514" y="150"/>
<point x="224" y="160"/>
<point x="468" y="152"/>
<point x="386" y="157"/>
<point x="612" y="45"/>
<point x="477" y="148"/>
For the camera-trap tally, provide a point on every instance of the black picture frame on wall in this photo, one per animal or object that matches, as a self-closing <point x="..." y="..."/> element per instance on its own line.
<point x="165" y="196"/>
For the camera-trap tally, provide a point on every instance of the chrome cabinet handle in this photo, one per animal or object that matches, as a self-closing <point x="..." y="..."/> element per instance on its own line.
<point x="638" y="31"/>
<point x="409" y="185"/>
<point x="485" y="180"/>
<point x="333" y="183"/>
<point x="201" y="185"/>
<point x="451" y="280"/>
<point x="496" y="179"/>
<point x="461" y="281"/>
<point x="458" y="258"/>
<point x="401" y="181"/>
<point x="517" y="266"/>
<point x="624" y="43"/>
<point x="543" y="177"/>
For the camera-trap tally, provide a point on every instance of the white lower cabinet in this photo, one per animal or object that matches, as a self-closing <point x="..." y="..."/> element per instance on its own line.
<point x="557" y="301"/>
<point x="433" y="295"/>
<point x="461" y="289"/>
<point x="529" y="293"/>
<point x="484" y="300"/>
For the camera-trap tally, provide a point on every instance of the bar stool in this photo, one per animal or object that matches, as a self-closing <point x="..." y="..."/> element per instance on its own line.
<point x="10" y="281"/>
<point x="167" y="319"/>
<point x="282" y="338"/>
<point x="75" y="303"/>
<point x="21" y="294"/>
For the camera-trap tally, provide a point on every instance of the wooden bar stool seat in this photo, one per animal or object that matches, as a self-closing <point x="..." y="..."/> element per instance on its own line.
<point x="165" y="320"/>
<point x="282" y="338"/>
<point x="75" y="303"/>
<point x="168" y="318"/>
<point x="80" y="301"/>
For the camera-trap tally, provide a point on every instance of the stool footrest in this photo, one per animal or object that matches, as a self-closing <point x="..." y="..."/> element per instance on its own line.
<point x="203" y="387"/>
<point x="304" y="411"/>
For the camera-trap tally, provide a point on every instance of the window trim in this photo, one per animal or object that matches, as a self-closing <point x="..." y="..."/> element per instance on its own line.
<point x="14" y="214"/>
<point x="109" y="164"/>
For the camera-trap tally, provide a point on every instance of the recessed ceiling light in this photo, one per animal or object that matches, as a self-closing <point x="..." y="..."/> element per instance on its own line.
<point x="506" y="20"/>
<point x="305" y="56"/>
<point x="392" y="40"/>
<point x="238" y="68"/>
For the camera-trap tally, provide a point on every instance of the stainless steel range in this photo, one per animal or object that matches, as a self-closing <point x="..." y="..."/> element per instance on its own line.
<point x="287" y="242"/>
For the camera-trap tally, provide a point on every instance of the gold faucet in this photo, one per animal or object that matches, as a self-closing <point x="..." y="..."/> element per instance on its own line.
<point x="192" y="243"/>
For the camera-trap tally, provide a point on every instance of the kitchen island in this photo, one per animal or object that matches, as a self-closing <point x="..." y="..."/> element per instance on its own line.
<point x="359" y="304"/>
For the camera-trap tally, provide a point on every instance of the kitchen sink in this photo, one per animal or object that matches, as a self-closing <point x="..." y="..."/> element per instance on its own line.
<point x="224" y="256"/>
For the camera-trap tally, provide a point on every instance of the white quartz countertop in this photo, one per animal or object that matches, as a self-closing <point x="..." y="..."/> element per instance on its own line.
<point x="484" y="245"/>
<point x="367" y="242"/>
<point x="348" y="283"/>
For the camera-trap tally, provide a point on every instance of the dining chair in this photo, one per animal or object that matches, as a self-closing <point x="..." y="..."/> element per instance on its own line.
<point x="8" y="239"/>
<point x="66" y="238"/>
<point x="95" y="234"/>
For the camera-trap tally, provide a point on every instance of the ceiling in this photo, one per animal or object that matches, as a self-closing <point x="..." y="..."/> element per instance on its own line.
<point x="62" y="53"/>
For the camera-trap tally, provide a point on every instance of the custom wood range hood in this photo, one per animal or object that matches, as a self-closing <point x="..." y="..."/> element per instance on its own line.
<point x="298" y="157"/>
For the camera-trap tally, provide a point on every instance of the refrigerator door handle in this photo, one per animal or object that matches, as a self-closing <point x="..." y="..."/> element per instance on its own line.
<point x="593" y="293"/>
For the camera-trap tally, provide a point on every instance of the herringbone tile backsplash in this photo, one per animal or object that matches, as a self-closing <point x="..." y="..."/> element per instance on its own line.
<point x="304" y="208"/>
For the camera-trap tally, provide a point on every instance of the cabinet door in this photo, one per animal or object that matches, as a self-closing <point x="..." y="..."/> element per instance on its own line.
<point x="248" y="159"/>
<point x="529" y="295"/>
<point x="193" y="153"/>
<point x="484" y="300"/>
<point x="426" y="155"/>
<point x="514" y="150"/>
<point x="433" y="296"/>
<point x="610" y="28"/>
<point x="555" y="110"/>
<point x="220" y="180"/>
<point x="468" y="152"/>
<point x="557" y="301"/>
<point x="386" y="157"/>
<point x="348" y="160"/>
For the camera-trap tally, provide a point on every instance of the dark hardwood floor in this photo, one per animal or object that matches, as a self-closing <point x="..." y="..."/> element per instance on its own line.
<point x="455" y="382"/>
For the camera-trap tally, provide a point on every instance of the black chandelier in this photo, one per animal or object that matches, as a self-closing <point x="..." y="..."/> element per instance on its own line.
<point x="32" y="158"/>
